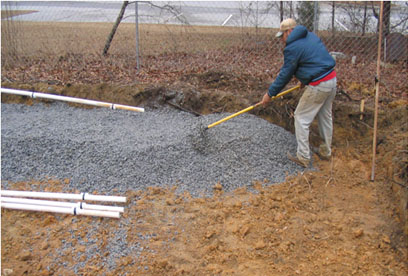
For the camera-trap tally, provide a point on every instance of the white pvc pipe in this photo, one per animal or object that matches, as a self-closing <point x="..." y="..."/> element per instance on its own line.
<point x="62" y="210"/>
<point x="80" y="205"/>
<point x="70" y="99"/>
<point x="81" y="196"/>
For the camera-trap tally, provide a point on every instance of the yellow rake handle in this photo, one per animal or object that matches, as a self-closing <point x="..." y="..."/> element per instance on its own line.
<point x="252" y="107"/>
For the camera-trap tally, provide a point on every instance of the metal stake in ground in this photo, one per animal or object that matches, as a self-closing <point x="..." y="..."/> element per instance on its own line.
<point x="250" y="108"/>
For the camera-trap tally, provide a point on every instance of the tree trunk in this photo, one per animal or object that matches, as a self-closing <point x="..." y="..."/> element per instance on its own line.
<point x="387" y="18"/>
<point x="376" y="16"/>
<point x="115" y="27"/>
<point x="333" y="13"/>
<point x="291" y="9"/>
<point x="364" y="18"/>
<point x="281" y="11"/>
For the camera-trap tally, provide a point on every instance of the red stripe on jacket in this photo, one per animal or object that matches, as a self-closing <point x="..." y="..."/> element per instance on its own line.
<point x="330" y="76"/>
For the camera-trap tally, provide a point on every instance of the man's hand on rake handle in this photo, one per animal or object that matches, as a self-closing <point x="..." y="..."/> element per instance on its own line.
<point x="265" y="100"/>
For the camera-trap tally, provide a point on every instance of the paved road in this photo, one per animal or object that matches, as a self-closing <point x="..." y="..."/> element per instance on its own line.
<point x="210" y="13"/>
<point x="193" y="12"/>
<point x="207" y="13"/>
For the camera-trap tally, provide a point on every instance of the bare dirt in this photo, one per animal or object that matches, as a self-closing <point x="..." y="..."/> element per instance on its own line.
<point x="333" y="221"/>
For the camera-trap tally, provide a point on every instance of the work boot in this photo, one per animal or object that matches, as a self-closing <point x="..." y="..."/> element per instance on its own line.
<point x="300" y="161"/>
<point x="322" y="152"/>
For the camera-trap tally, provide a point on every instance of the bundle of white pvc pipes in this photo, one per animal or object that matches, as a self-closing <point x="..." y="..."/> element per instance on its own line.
<point x="70" y="99"/>
<point x="17" y="200"/>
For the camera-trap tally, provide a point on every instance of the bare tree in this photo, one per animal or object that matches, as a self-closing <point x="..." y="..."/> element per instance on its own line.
<point x="115" y="27"/>
<point x="290" y="9"/>
<point x="402" y="22"/>
<point x="166" y="7"/>
<point x="375" y="13"/>
<point x="358" y="17"/>
<point x="252" y="14"/>
<point x="364" y="19"/>
<point x="281" y="11"/>
<point x="283" y="8"/>
<point x="306" y="14"/>
<point x="172" y="10"/>
<point x="387" y="17"/>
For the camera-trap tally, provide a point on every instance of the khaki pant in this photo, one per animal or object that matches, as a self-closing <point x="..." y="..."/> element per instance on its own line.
<point x="315" y="101"/>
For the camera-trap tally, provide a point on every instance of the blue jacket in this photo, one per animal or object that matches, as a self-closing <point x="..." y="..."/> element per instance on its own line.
<point x="306" y="57"/>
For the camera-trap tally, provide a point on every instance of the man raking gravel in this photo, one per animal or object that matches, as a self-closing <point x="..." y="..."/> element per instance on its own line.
<point x="306" y="58"/>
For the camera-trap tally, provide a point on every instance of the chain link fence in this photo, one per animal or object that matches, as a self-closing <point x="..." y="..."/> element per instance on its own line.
<point x="195" y="36"/>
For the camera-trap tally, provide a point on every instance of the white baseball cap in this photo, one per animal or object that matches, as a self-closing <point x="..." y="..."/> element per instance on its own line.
<point x="285" y="25"/>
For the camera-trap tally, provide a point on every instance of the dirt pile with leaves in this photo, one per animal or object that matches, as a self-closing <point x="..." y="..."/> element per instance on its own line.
<point x="333" y="221"/>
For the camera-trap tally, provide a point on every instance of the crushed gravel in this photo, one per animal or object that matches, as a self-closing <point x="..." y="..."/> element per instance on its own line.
<point x="113" y="151"/>
<point x="110" y="152"/>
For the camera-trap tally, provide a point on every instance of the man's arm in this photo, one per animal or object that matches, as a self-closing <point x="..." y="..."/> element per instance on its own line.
<point x="285" y="74"/>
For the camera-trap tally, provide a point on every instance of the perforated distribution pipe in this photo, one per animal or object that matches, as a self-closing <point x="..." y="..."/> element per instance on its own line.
<point x="70" y="99"/>
<point x="80" y="205"/>
<point x="62" y="210"/>
<point x="81" y="196"/>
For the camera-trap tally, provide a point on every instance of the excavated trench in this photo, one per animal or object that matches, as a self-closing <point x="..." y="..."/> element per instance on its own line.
<point x="104" y="151"/>
<point x="113" y="152"/>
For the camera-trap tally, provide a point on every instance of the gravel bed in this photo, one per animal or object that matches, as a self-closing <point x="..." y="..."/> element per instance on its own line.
<point x="113" y="151"/>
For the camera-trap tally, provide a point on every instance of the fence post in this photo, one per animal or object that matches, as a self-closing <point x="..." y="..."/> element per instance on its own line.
<point x="137" y="34"/>
<point x="315" y="23"/>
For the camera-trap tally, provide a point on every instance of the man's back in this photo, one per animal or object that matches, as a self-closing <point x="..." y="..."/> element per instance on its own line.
<point x="308" y="53"/>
